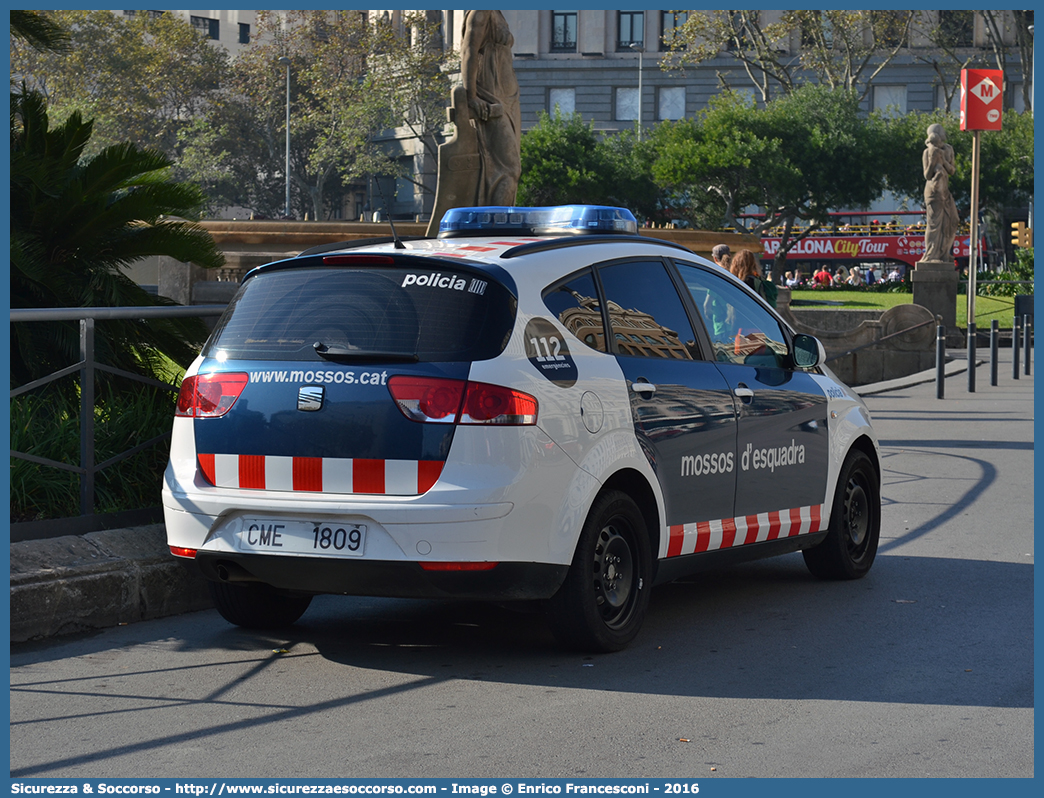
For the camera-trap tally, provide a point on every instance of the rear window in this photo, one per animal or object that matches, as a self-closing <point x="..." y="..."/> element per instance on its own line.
<point x="439" y="315"/>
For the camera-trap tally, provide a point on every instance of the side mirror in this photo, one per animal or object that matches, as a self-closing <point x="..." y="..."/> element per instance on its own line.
<point x="807" y="351"/>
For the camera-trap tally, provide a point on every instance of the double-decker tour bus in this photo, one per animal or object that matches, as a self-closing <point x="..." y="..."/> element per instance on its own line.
<point x="882" y="242"/>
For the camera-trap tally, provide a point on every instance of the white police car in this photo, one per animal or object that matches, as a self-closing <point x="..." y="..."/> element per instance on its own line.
<point x="539" y="404"/>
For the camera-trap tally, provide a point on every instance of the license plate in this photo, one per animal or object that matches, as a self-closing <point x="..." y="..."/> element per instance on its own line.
<point x="282" y="536"/>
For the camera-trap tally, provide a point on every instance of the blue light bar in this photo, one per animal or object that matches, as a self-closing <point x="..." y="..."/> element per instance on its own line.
<point x="562" y="220"/>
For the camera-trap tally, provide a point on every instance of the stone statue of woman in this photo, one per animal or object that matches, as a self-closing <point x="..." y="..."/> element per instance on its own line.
<point x="480" y="164"/>
<point x="940" y="209"/>
<point x="492" y="95"/>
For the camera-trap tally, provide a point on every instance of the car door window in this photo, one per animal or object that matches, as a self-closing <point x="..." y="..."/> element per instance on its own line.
<point x="574" y="302"/>
<point x="646" y="315"/>
<point x="741" y="330"/>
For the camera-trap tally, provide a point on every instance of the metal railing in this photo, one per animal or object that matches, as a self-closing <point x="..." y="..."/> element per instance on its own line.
<point x="86" y="367"/>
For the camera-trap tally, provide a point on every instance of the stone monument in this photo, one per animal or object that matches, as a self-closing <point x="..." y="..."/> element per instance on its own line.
<point x="480" y="163"/>
<point x="935" y="275"/>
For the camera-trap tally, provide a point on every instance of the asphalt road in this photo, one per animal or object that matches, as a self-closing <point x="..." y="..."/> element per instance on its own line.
<point x="923" y="669"/>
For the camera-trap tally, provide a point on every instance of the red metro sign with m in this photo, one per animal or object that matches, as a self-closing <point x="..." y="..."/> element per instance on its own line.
<point x="981" y="99"/>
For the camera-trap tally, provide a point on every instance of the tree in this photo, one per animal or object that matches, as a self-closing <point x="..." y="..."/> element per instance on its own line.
<point x="76" y="223"/>
<point x="802" y="155"/>
<point x="842" y="49"/>
<point x="565" y="162"/>
<point x="561" y="162"/>
<point x="951" y="34"/>
<point x="140" y="79"/>
<point x="1005" y="169"/>
<point x="351" y="78"/>
<point x="998" y="24"/>
<point x="37" y="30"/>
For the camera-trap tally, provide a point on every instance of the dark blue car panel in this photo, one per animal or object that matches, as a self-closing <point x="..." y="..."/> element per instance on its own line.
<point x="355" y="420"/>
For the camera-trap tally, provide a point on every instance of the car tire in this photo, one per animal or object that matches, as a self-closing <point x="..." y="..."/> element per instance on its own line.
<point x="601" y="605"/>
<point x="850" y="546"/>
<point x="256" y="606"/>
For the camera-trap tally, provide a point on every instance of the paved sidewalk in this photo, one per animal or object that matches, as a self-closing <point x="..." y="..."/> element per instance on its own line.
<point x="77" y="583"/>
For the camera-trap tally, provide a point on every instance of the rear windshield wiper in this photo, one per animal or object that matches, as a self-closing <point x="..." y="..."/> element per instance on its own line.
<point x="338" y="353"/>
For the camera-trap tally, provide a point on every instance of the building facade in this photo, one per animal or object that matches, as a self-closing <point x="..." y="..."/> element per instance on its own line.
<point x="606" y="65"/>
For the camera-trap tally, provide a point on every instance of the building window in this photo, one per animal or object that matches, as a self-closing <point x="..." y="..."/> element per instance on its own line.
<point x="626" y="104"/>
<point x="890" y="100"/>
<point x="244" y="33"/>
<point x="631" y="29"/>
<point x="671" y="103"/>
<point x="670" y="22"/>
<point x="564" y="100"/>
<point x="563" y="31"/>
<point x="206" y="26"/>
<point x="957" y="28"/>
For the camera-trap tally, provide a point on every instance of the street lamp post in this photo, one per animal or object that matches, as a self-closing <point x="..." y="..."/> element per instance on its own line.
<point x="639" y="49"/>
<point x="286" y="62"/>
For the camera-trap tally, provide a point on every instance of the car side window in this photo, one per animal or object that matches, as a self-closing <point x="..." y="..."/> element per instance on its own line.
<point x="574" y="302"/>
<point x="646" y="315"/>
<point x="740" y="328"/>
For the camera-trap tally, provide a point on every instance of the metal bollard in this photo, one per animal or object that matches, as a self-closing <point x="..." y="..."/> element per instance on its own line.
<point x="1015" y="350"/>
<point x="994" y="346"/>
<point x="940" y="358"/>
<point x="1027" y="332"/>
<point x="971" y="357"/>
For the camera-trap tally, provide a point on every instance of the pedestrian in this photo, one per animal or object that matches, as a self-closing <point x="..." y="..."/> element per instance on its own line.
<point x="722" y="256"/>
<point x="822" y="278"/>
<point x="794" y="280"/>
<point x="745" y="267"/>
<point x="855" y="278"/>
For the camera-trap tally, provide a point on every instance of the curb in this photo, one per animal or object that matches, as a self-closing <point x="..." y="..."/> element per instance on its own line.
<point x="77" y="583"/>
<point x="951" y="367"/>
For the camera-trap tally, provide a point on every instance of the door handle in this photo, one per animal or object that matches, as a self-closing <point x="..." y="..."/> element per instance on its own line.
<point x="744" y="393"/>
<point x="643" y="387"/>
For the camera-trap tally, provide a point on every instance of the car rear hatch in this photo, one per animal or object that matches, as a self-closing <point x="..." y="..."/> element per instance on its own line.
<point x="344" y="373"/>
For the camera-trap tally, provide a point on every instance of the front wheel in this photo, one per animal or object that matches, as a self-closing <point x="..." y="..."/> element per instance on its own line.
<point x="602" y="603"/>
<point x="850" y="546"/>
<point x="257" y="606"/>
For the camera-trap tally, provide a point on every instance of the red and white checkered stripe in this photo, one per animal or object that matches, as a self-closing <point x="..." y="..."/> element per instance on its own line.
<point x="729" y="532"/>
<point x="320" y="474"/>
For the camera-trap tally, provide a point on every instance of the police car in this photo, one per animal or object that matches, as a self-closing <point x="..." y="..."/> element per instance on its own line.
<point x="539" y="404"/>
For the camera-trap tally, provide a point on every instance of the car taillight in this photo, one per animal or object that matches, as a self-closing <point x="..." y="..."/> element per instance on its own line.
<point x="492" y="404"/>
<point x="444" y="401"/>
<point x="209" y="395"/>
<point x="427" y="399"/>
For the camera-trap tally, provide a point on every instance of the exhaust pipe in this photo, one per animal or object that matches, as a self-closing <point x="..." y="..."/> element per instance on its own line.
<point x="231" y="572"/>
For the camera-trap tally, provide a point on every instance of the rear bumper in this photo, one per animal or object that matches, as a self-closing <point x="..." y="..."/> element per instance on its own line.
<point x="508" y="581"/>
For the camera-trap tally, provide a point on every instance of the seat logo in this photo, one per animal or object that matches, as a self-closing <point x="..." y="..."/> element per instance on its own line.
<point x="310" y="397"/>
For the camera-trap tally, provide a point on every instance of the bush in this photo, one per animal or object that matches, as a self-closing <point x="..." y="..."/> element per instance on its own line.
<point x="46" y="423"/>
<point x="1021" y="269"/>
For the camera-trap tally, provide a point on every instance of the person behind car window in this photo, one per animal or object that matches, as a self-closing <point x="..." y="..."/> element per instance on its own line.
<point x="745" y="267"/>
<point x="722" y="255"/>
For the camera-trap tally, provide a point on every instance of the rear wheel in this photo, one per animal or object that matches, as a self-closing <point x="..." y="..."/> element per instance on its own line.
<point x="257" y="606"/>
<point x="850" y="546"/>
<point x="602" y="603"/>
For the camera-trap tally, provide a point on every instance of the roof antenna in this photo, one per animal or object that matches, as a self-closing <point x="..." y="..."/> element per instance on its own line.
<point x="395" y="236"/>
